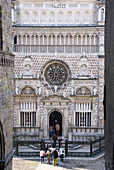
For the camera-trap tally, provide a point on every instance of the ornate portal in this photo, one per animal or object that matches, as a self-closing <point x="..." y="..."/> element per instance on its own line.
<point x="55" y="73"/>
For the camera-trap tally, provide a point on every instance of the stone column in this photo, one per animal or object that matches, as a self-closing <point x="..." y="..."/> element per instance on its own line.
<point x="81" y="42"/>
<point x="34" y="39"/>
<point x="101" y="91"/>
<point x="17" y="39"/>
<point x="85" y="39"/>
<point x="77" y="39"/>
<point x="38" y="113"/>
<point x="65" y="123"/>
<point x="73" y="35"/>
<point x="47" y="42"/>
<point x="56" y="42"/>
<point x="26" y="39"/>
<point x="94" y="41"/>
<point x="46" y="123"/>
<point x="59" y="39"/>
<point x="30" y="35"/>
<point x="68" y="39"/>
<point x="64" y="41"/>
<point x="90" y="43"/>
<point x="51" y="39"/>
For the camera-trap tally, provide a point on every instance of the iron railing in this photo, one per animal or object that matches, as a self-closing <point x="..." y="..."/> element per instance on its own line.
<point x="72" y="148"/>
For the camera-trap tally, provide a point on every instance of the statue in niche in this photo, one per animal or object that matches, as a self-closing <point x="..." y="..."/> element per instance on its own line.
<point x="102" y="14"/>
<point x="83" y="91"/>
<point x="55" y="88"/>
<point x="83" y="69"/>
<point x="94" y="91"/>
<point x="27" y="69"/>
<point x="72" y="90"/>
<point x="17" y="90"/>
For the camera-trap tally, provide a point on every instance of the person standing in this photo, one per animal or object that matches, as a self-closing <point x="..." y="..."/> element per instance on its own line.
<point x="48" y="156"/>
<point x="46" y="147"/>
<point x="55" y="156"/>
<point x="61" y="153"/>
<point x="57" y="126"/>
<point x="42" y="155"/>
<point x="60" y="143"/>
<point x="54" y="139"/>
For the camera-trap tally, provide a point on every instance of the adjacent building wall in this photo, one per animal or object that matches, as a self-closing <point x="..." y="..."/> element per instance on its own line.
<point x="6" y="87"/>
<point x="109" y="81"/>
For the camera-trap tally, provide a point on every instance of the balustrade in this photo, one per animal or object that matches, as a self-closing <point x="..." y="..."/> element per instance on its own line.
<point x="62" y="43"/>
<point x="56" y="48"/>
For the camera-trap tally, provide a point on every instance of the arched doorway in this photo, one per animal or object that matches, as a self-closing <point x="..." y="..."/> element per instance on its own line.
<point x="54" y="118"/>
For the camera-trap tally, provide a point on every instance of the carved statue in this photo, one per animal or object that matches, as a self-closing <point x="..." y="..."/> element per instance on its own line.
<point x="94" y="91"/>
<point x="55" y="88"/>
<point x="72" y="90"/>
<point x="17" y="90"/>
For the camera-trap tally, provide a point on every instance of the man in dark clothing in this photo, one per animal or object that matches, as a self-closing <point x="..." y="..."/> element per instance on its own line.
<point x="54" y="139"/>
<point x="55" y="156"/>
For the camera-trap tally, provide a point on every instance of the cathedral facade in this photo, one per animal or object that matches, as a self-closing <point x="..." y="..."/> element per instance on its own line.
<point x="59" y="67"/>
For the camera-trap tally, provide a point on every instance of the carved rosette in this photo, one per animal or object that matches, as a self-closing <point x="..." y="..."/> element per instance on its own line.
<point x="55" y="74"/>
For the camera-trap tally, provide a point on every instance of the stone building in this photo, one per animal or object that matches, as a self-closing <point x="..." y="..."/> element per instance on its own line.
<point x="59" y="67"/>
<point x="6" y="86"/>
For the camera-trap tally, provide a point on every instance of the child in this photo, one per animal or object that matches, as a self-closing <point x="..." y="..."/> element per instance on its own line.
<point x="48" y="156"/>
<point x="62" y="153"/>
<point x="42" y="155"/>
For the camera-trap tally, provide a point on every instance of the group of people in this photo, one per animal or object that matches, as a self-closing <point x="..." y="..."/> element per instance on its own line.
<point x="52" y="153"/>
<point x="54" y="130"/>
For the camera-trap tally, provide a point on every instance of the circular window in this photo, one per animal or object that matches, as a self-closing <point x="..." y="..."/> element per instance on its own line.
<point x="55" y="73"/>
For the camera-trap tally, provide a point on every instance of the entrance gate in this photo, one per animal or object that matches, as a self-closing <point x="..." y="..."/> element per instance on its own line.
<point x="56" y="117"/>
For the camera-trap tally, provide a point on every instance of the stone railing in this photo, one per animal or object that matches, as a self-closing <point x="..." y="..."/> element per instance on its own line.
<point x="56" y="48"/>
<point x="85" y="133"/>
<point x="26" y="133"/>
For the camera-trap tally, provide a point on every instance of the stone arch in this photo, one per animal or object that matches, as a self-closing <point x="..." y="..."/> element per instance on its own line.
<point x="2" y="143"/>
<point x="43" y="16"/>
<point x="28" y="90"/>
<point x="52" y="17"/>
<point x="60" y="17"/>
<point x="56" y="116"/>
<point x="17" y="17"/>
<point x="26" y="17"/>
<point x="69" y="17"/>
<point x="86" y="16"/>
<point x="34" y="17"/>
<point x="77" y="17"/>
<point x="83" y="91"/>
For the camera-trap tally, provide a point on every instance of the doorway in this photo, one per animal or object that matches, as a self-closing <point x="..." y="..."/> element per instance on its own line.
<point x="54" y="118"/>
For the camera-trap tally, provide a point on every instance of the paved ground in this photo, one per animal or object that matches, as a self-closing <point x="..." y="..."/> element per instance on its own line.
<point x="69" y="164"/>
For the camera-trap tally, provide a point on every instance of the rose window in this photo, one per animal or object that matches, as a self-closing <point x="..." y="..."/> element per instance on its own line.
<point x="55" y="73"/>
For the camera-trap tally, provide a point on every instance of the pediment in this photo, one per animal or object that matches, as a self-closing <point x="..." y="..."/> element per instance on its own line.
<point x="55" y="98"/>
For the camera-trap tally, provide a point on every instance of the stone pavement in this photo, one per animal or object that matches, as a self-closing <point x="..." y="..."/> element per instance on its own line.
<point x="70" y="163"/>
<point x="50" y="167"/>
